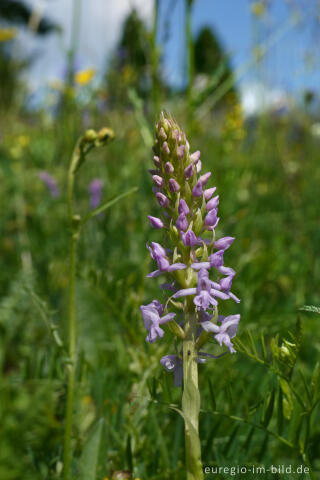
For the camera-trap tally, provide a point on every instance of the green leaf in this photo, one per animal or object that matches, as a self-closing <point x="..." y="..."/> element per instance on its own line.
<point x="295" y="425"/>
<point x="263" y="345"/>
<point x="212" y="396"/>
<point x="274" y="345"/>
<point x="268" y="410"/>
<point x="263" y="447"/>
<point x="193" y="448"/>
<point x="252" y="344"/>
<point x="89" y="460"/>
<point x="129" y="454"/>
<point x="310" y="308"/>
<point x="315" y="381"/>
<point x="247" y="441"/>
<point x="298" y="334"/>
<point x="287" y="399"/>
<point x="231" y="439"/>
<point x="108" y="204"/>
<point x="152" y="387"/>
<point x="280" y="411"/>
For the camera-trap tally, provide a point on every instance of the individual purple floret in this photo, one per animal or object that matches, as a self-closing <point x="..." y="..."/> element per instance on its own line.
<point x="50" y="183"/>
<point x="153" y="317"/>
<point x="95" y="192"/>
<point x="192" y="256"/>
<point x="228" y="330"/>
<point x="158" y="253"/>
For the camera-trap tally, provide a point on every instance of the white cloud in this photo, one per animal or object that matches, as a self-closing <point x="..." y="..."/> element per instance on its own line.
<point x="257" y="97"/>
<point x="100" y="27"/>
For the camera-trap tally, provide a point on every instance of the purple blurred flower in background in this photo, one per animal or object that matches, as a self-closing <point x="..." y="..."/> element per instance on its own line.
<point x="50" y="183"/>
<point x="95" y="191"/>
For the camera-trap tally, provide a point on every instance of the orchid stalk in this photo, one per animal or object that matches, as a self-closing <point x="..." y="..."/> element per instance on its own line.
<point x="190" y="255"/>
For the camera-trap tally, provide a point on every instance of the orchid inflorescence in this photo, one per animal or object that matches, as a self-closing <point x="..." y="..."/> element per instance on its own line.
<point x="189" y="217"/>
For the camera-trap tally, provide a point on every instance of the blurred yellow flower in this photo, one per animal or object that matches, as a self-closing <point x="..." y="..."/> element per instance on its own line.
<point x="83" y="77"/>
<point x="87" y="400"/>
<point x="7" y="34"/>
<point x="23" y="140"/>
<point x="258" y="9"/>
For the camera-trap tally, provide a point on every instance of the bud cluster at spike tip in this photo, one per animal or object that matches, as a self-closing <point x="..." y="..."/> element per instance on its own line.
<point x="192" y="259"/>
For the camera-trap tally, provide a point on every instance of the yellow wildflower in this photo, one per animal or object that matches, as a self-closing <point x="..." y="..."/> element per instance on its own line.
<point x="83" y="77"/>
<point x="258" y="9"/>
<point x="7" y="34"/>
<point x="87" y="400"/>
<point x="23" y="140"/>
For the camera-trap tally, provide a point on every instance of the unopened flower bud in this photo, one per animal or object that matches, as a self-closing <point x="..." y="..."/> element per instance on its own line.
<point x="209" y="192"/>
<point x="105" y="135"/>
<point x="223" y="243"/>
<point x="182" y="222"/>
<point x="169" y="168"/>
<point x="183" y="207"/>
<point x="204" y="178"/>
<point x="180" y="151"/>
<point x="165" y="148"/>
<point x="90" y="136"/>
<point x="197" y="189"/>
<point x="155" y="222"/>
<point x="162" y="199"/>
<point x="156" y="161"/>
<point x="284" y="352"/>
<point x="195" y="156"/>
<point x="162" y="134"/>
<point x="213" y="203"/>
<point x="158" y="180"/>
<point x="189" y="239"/>
<point x="174" y="185"/>
<point x="211" y="218"/>
<point x="188" y="172"/>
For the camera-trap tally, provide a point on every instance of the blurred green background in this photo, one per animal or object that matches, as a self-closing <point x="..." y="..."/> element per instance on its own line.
<point x="265" y="165"/>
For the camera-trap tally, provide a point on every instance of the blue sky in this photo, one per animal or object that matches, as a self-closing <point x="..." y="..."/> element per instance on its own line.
<point x="285" y="64"/>
<point x="284" y="68"/>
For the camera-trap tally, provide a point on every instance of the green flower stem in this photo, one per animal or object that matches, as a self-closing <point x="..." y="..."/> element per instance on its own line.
<point x="191" y="399"/>
<point x="74" y="232"/>
<point x="72" y="358"/>
<point x="85" y="144"/>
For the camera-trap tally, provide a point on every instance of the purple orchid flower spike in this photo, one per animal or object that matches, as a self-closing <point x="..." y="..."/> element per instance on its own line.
<point x="192" y="262"/>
